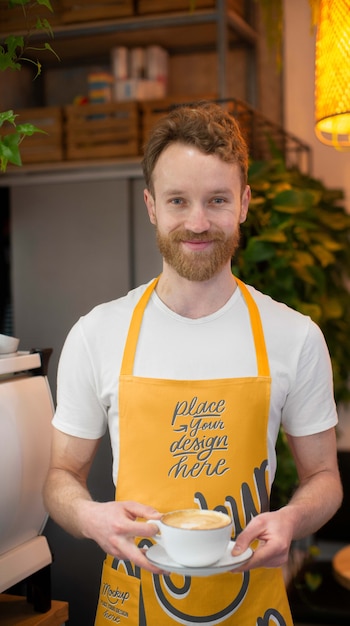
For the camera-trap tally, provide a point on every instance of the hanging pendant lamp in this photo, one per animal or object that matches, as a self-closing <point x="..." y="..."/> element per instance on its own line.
<point x="332" y="77"/>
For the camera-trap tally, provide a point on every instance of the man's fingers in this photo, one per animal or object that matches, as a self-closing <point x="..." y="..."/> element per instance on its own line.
<point x="128" y="550"/>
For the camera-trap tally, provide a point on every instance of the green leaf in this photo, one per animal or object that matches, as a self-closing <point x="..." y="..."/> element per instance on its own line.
<point x="302" y="272"/>
<point x="312" y="310"/>
<point x="256" y="201"/>
<point x="280" y="185"/>
<point x="324" y="256"/>
<point x="258" y="173"/>
<point x="7" y="116"/>
<point x="260" y="186"/>
<point x="258" y="250"/>
<point x="44" y="25"/>
<point x="14" y="3"/>
<point x="28" y="129"/>
<point x="6" y="63"/>
<point x="285" y="208"/>
<point x="9" y="149"/>
<point x="334" y="220"/>
<point x="321" y="280"/>
<point x="312" y="580"/>
<point x="302" y="235"/>
<point x="45" y="3"/>
<point x="275" y="236"/>
<point x="303" y="258"/>
<point x="13" y="42"/>
<point x="332" y="309"/>
<point x="294" y="200"/>
<point x="326" y="240"/>
<point x="281" y="221"/>
<point x="10" y="53"/>
<point x="48" y="47"/>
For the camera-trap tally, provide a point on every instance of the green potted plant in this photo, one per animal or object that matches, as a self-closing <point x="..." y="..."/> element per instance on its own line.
<point x="13" y="53"/>
<point x="295" y="247"/>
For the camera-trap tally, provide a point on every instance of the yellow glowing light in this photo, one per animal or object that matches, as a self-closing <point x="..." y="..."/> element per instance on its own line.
<point x="332" y="78"/>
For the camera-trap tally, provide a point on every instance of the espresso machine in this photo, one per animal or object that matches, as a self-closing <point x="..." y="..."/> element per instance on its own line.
<point x="26" y="410"/>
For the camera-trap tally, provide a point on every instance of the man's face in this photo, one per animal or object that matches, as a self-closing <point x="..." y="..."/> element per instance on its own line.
<point x="197" y="208"/>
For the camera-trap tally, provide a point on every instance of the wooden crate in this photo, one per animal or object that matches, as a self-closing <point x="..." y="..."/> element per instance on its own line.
<point x="153" y="110"/>
<point x="13" y="19"/>
<point x="238" y="6"/>
<point x="94" y="131"/>
<point x="40" y="147"/>
<point x="162" y="6"/>
<point x="91" y="10"/>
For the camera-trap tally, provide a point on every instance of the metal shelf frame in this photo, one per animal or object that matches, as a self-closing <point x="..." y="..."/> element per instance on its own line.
<point x="222" y="17"/>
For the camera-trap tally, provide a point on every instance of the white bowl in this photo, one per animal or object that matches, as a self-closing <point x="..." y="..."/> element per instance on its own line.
<point x="8" y="345"/>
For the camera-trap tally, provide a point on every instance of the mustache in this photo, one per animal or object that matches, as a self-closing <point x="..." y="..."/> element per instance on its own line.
<point x="189" y="235"/>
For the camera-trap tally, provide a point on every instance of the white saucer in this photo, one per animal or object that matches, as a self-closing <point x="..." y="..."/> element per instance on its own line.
<point x="5" y="355"/>
<point x="157" y="555"/>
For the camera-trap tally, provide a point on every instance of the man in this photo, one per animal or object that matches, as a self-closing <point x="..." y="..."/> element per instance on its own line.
<point x="193" y="374"/>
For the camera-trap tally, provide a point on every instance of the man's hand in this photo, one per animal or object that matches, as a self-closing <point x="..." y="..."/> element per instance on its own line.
<point x="316" y="499"/>
<point x="274" y="535"/>
<point x="114" y="527"/>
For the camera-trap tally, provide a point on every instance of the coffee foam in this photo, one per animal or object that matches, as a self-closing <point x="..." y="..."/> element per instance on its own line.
<point x="195" y="519"/>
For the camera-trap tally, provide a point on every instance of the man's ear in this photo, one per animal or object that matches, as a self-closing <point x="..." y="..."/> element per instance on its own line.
<point x="150" y="204"/>
<point x="246" y="196"/>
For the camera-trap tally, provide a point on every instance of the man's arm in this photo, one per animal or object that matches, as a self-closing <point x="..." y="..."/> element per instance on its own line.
<point x="315" y="501"/>
<point x="320" y="493"/>
<point x="111" y="524"/>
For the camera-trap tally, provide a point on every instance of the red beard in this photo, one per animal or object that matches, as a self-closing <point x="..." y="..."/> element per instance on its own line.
<point x="197" y="265"/>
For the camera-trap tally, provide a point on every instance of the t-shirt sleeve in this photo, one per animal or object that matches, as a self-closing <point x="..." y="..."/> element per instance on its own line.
<point x="79" y="410"/>
<point x="310" y="407"/>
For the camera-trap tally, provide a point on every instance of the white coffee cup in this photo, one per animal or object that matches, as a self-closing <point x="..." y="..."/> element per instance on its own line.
<point x="194" y="537"/>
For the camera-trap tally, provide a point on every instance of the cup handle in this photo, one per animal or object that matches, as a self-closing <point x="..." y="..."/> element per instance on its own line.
<point x="158" y="536"/>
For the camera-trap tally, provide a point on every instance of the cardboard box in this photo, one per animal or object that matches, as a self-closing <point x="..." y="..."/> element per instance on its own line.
<point x="138" y="89"/>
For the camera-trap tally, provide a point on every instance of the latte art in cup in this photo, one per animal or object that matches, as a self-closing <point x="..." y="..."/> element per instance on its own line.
<point x="194" y="519"/>
<point x="194" y="537"/>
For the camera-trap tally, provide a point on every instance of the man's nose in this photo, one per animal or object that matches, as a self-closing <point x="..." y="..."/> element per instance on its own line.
<point x="197" y="219"/>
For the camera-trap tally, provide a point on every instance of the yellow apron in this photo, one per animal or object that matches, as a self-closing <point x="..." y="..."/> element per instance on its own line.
<point x="185" y="444"/>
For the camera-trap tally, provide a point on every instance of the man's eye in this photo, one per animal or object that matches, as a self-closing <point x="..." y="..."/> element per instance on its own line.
<point x="176" y="201"/>
<point x="218" y="201"/>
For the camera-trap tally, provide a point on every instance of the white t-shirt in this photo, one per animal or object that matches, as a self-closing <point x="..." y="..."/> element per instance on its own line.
<point x="170" y="346"/>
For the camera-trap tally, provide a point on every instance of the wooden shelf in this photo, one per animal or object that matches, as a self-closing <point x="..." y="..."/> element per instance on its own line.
<point x="175" y="31"/>
<point x="72" y="171"/>
<point x="15" y="611"/>
<point x="90" y="43"/>
<point x="217" y="29"/>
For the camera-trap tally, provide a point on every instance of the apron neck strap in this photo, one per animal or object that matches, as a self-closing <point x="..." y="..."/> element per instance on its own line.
<point x="136" y="321"/>
<point x="134" y="329"/>
<point x="257" y="330"/>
